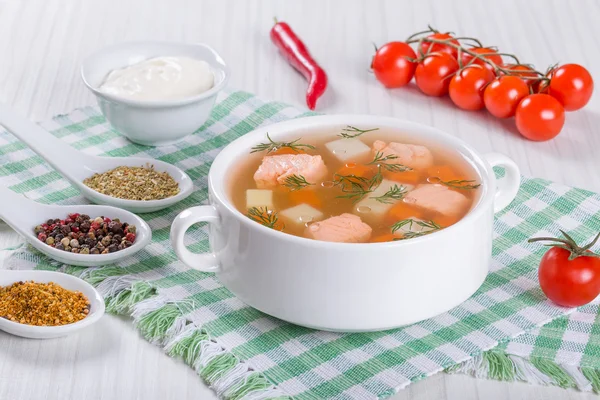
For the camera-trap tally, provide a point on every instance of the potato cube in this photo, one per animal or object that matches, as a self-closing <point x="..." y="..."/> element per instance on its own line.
<point x="349" y="149"/>
<point x="259" y="198"/>
<point x="301" y="214"/>
<point x="375" y="204"/>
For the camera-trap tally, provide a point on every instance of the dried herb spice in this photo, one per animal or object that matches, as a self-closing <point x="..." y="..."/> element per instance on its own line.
<point x="78" y="233"/>
<point x="134" y="183"/>
<point x="42" y="304"/>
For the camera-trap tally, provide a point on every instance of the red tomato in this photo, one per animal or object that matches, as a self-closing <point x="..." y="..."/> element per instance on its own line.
<point x="569" y="283"/>
<point x="439" y="47"/>
<point x="503" y="95"/>
<point x="466" y="87"/>
<point x="493" y="57"/>
<point x="539" y="117"/>
<point x="522" y="70"/>
<point x="392" y="66"/>
<point x="572" y="85"/>
<point x="433" y="73"/>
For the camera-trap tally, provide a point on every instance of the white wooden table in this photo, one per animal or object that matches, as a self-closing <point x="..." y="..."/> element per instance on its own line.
<point x="42" y="43"/>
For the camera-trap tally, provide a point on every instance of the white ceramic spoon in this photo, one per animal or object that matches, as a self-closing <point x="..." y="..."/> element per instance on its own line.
<point x="23" y="215"/>
<point x="75" y="165"/>
<point x="68" y="282"/>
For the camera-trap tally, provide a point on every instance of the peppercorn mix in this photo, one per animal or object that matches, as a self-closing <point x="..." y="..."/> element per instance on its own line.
<point x="78" y="233"/>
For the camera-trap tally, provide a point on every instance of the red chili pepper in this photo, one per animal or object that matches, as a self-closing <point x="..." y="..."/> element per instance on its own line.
<point x="298" y="56"/>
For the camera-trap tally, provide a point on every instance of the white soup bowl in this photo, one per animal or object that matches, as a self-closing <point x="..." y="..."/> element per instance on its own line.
<point x="344" y="286"/>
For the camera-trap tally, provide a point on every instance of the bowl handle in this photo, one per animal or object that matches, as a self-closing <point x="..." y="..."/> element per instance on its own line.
<point x="207" y="262"/>
<point x="508" y="186"/>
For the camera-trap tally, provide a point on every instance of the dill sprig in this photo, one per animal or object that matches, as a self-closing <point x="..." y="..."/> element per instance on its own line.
<point x="381" y="161"/>
<point x="263" y="216"/>
<point x="357" y="187"/>
<point x="460" y="184"/>
<point x="354" y="187"/>
<point x="350" y="132"/>
<point x="274" y="146"/>
<point x="427" y="228"/>
<point x="396" y="192"/>
<point x="376" y="179"/>
<point x="296" y="182"/>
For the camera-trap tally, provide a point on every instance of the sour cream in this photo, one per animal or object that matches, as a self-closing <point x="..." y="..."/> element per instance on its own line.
<point x="160" y="78"/>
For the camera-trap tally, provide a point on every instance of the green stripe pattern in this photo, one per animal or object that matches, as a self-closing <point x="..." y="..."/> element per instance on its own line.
<point x="300" y="362"/>
<point x="563" y="353"/>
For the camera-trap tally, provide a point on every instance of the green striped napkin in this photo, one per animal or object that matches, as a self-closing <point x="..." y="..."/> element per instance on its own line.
<point x="242" y="353"/>
<point x="564" y="353"/>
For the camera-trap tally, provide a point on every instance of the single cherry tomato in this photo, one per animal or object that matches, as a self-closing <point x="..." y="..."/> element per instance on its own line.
<point x="503" y="95"/>
<point x="572" y="85"/>
<point x="539" y="117"/>
<point x="440" y="47"/>
<point x="433" y="73"/>
<point x="569" y="275"/>
<point x="466" y="87"/>
<point x="522" y="71"/>
<point x="392" y="64"/>
<point x="490" y="55"/>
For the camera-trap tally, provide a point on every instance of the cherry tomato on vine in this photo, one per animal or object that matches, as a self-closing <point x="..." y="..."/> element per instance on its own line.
<point x="572" y="85"/>
<point x="569" y="275"/>
<point x="392" y="66"/>
<point x="539" y="117"/>
<point x="491" y="55"/>
<point x="439" y="47"/>
<point x="433" y="73"/>
<point x="466" y="87"/>
<point x="503" y="95"/>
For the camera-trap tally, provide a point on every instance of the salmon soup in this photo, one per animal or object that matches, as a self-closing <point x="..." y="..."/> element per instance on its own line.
<point x="354" y="185"/>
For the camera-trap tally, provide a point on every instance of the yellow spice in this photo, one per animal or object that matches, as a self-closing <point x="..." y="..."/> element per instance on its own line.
<point x="42" y="304"/>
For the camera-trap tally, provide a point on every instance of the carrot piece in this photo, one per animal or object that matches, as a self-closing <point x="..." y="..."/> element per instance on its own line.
<point x="443" y="172"/>
<point x="446" y="220"/>
<point x="383" y="238"/>
<point x="363" y="171"/>
<point x="305" y="196"/>
<point x="402" y="211"/>
<point x="412" y="176"/>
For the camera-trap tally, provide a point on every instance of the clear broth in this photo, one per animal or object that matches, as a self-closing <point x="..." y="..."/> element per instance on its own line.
<point x="449" y="166"/>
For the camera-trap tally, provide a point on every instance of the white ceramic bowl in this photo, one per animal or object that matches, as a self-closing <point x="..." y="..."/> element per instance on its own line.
<point x="341" y="286"/>
<point x="69" y="282"/>
<point x="153" y="123"/>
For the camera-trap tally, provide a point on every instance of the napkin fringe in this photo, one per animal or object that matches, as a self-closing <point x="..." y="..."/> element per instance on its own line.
<point x="163" y="322"/>
<point x="498" y="365"/>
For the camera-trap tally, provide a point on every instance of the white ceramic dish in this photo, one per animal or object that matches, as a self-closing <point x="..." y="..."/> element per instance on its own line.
<point x="69" y="282"/>
<point x="340" y="286"/>
<point x="23" y="215"/>
<point x="153" y="123"/>
<point x="75" y="165"/>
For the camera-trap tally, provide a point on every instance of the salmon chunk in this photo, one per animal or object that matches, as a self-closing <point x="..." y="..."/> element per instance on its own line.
<point x="438" y="198"/>
<point x="275" y="169"/>
<point x="411" y="155"/>
<point x="345" y="228"/>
